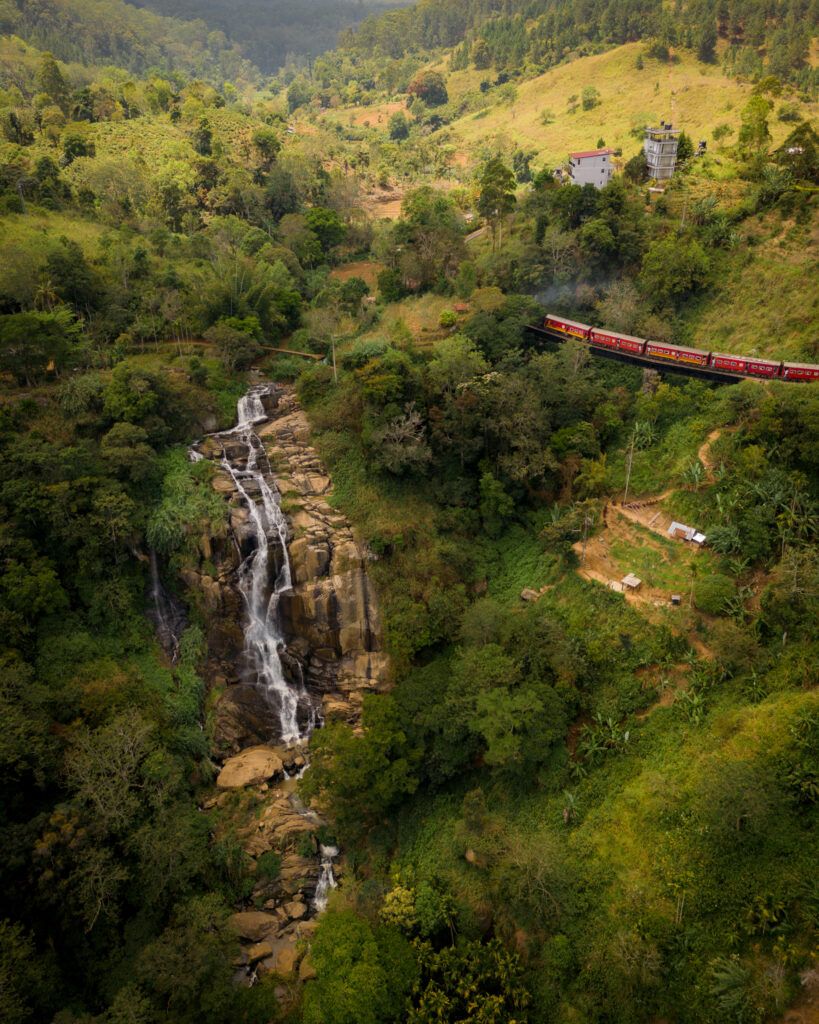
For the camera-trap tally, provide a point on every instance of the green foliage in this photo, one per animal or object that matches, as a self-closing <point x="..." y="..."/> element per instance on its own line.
<point x="364" y="974"/>
<point x="364" y="776"/>
<point x="188" y="505"/>
<point x="33" y="343"/>
<point x="713" y="592"/>
<point x="468" y="982"/>
<point x="673" y="270"/>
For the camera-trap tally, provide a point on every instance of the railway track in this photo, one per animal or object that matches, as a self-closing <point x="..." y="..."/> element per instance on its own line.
<point x="700" y="372"/>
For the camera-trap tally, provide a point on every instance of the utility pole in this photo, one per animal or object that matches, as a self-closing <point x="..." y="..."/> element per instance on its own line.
<point x="629" y="462"/>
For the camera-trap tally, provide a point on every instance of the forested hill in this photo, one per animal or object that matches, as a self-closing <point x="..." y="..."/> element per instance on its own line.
<point x="269" y="31"/>
<point x="516" y="33"/>
<point x="105" y="32"/>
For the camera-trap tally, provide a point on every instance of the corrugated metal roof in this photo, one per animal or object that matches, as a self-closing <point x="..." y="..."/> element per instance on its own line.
<point x="591" y="152"/>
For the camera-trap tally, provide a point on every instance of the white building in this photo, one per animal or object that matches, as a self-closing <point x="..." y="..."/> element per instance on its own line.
<point x="592" y="167"/>
<point x="660" y="148"/>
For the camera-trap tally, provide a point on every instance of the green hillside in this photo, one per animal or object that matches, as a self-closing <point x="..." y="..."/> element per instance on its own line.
<point x="573" y="797"/>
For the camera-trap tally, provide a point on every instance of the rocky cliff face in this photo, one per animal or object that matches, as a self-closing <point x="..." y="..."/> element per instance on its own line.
<point x="330" y="618"/>
<point x="332" y="632"/>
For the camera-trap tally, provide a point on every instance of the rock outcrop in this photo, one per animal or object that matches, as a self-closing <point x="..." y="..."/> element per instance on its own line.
<point x="330" y="618"/>
<point x="250" y="768"/>
<point x="332" y="632"/>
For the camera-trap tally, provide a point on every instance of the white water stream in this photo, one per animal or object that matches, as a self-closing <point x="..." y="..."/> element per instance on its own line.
<point x="262" y="586"/>
<point x="263" y="637"/>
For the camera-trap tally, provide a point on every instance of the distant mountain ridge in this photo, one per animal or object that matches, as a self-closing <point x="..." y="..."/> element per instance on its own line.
<point x="269" y="31"/>
<point x="100" y="32"/>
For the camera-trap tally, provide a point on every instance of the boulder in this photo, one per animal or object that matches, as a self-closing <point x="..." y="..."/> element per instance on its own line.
<point x="306" y="969"/>
<point x="259" y="951"/>
<point x="252" y="766"/>
<point x="284" y="958"/>
<point x="253" y="925"/>
<point x="295" y="910"/>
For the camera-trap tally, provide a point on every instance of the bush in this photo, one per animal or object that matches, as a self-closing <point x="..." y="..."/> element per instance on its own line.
<point x="712" y="593"/>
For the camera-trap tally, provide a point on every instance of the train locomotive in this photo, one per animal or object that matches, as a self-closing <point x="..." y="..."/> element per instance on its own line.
<point x="742" y="366"/>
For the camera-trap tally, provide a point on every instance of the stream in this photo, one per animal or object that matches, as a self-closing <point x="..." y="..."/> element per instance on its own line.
<point x="262" y="577"/>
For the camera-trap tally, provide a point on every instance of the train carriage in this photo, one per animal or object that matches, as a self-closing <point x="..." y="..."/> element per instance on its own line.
<point x="677" y="353"/>
<point x="611" y="339"/>
<point x="799" y="371"/>
<point x="745" y="365"/>
<point x="571" y="327"/>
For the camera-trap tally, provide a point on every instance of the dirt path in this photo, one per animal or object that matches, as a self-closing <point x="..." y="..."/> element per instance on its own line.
<point x="704" y="453"/>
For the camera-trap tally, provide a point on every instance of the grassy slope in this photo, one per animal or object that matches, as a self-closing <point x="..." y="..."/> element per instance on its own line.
<point x="767" y="303"/>
<point x="697" y="96"/>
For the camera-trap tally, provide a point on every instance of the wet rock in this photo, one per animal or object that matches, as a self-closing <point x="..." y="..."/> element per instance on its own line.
<point x="251" y="767"/>
<point x="244" y="717"/>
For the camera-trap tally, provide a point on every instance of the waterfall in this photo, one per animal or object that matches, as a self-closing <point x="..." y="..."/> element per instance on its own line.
<point x="168" y="614"/>
<point x="263" y="577"/>
<point x="327" y="880"/>
<point x="263" y="637"/>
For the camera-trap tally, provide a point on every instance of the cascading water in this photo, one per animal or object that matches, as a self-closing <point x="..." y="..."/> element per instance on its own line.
<point x="167" y="612"/>
<point x="262" y="582"/>
<point x="263" y="639"/>
<point x="327" y="880"/>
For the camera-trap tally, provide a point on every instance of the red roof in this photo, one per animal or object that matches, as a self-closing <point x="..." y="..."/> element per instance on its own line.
<point x="592" y="152"/>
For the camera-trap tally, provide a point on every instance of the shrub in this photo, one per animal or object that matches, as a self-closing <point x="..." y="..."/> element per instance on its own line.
<point x="268" y="866"/>
<point x="712" y="593"/>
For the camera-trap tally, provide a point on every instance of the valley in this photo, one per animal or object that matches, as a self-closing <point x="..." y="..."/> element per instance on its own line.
<point x="367" y="656"/>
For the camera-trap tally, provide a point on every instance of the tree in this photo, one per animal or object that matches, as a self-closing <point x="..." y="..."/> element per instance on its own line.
<point x="590" y="97"/>
<point x="51" y="82"/>
<point x="187" y="970"/>
<point x="430" y="87"/>
<point x="469" y="982"/>
<point x="32" y="343"/>
<point x="497" y="195"/>
<point x="799" y="153"/>
<point x="399" y="126"/>
<point x="364" y="975"/>
<point x="722" y="131"/>
<point x="298" y="94"/>
<point x="364" y="776"/>
<point x="713" y="592"/>
<point x="327" y="225"/>
<point x="75" y="145"/>
<point x="754" y="134"/>
<point x="268" y="143"/>
<point x="707" y="43"/>
<point x="235" y="340"/>
<point x="672" y="270"/>
<point x="203" y="138"/>
<point x="521" y="160"/>
<point x="685" y="147"/>
<point x="24" y="981"/>
<point x="636" y="168"/>
<point x="481" y="55"/>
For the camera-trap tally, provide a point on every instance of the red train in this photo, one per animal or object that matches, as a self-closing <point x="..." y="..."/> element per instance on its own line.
<point x="745" y="366"/>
